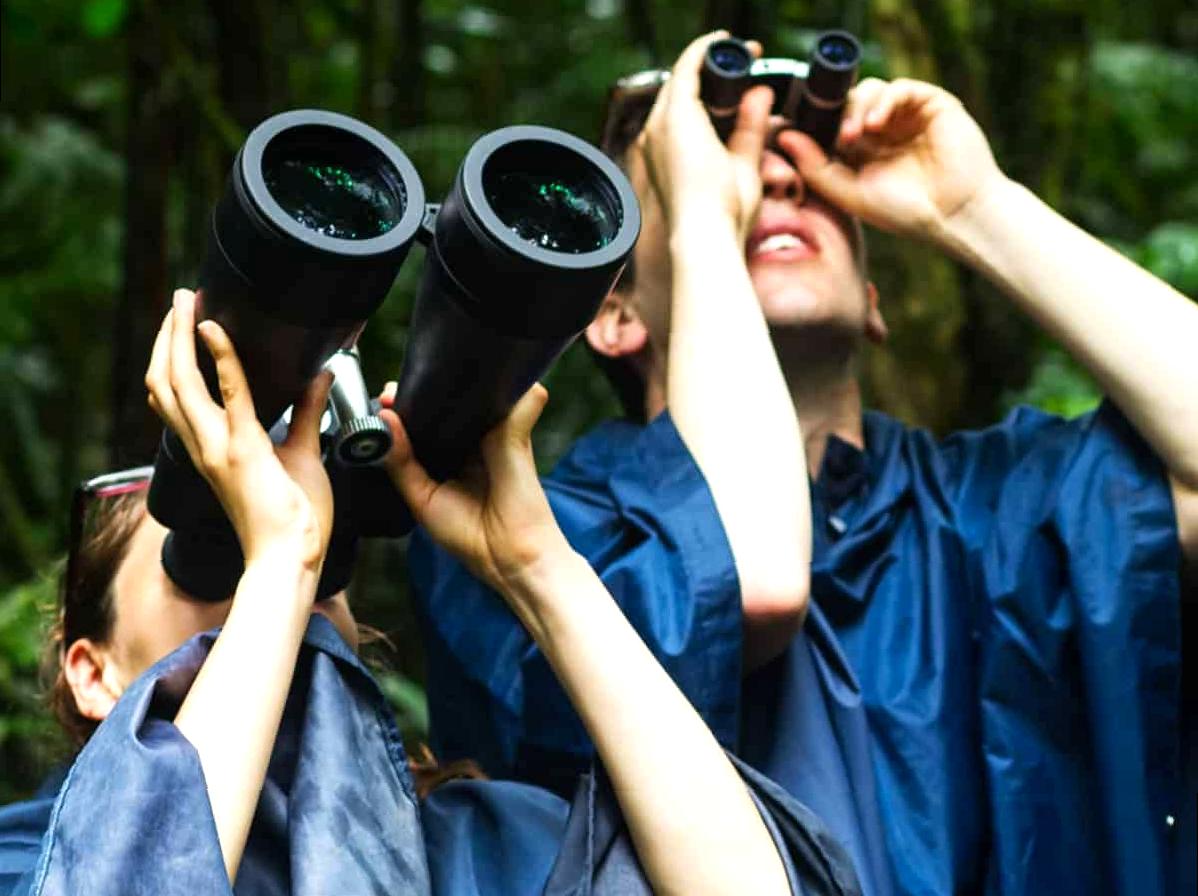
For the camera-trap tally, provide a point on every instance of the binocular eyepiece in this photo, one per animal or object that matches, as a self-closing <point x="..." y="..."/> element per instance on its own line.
<point x="810" y="95"/>
<point x="318" y="215"/>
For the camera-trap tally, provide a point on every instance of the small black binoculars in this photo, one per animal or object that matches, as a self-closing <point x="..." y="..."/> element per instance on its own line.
<point x="810" y="95"/>
<point x="317" y="217"/>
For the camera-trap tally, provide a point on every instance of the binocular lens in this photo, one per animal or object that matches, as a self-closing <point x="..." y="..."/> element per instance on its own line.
<point x="564" y="207"/>
<point x="333" y="182"/>
<point x="730" y="56"/>
<point x="837" y="50"/>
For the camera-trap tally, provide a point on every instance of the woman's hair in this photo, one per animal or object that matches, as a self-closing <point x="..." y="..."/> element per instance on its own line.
<point x="87" y="609"/>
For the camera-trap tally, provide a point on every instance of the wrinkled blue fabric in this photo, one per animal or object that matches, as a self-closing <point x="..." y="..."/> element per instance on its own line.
<point x="650" y="531"/>
<point x="985" y="695"/>
<point x="502" y="838"/>
<point x="337" y="814"/>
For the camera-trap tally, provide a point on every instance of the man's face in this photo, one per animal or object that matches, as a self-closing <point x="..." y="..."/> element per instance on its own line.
<point x="800" y="255"/>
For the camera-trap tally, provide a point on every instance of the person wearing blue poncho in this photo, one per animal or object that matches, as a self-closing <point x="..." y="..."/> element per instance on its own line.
<point x="264" y="754"/>
<point x="985" y="693"/>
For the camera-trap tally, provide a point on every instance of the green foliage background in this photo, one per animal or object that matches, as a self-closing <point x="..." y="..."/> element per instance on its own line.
<point x="118" y="120"/>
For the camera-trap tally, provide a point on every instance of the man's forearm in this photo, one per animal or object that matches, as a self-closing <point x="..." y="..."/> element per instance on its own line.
<point x="729" y="400"/>
<point x="1136" y="335"/>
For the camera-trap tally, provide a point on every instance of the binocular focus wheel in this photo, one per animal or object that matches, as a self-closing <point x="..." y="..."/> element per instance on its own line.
<point x="363" y="441"/>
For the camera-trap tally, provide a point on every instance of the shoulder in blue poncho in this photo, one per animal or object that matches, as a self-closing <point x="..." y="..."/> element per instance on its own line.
<point x="985" y="696"/>
<point x="337" y="814"/>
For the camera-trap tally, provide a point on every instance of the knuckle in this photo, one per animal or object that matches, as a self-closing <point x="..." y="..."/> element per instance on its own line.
<point x="211" y="457"/>
<point x="240" y="453"/>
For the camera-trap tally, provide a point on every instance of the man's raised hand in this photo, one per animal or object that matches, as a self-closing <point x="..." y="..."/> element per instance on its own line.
<point x="911" y="158"/>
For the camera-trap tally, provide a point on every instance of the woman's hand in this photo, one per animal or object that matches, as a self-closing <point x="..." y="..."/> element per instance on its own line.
<point x="911" y="158"/>
<point x="693" y="173"/>
<point x="274" y="496"/>
<point x="495" y="517"/>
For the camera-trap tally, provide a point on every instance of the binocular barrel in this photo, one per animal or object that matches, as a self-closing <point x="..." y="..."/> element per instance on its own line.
<point x="530" y="239"/>
<point x="319" y="214"/>
<point x="831" y="74"/>
<point x="723" y="80"/>
<point x="316" y="219"/>
<point x="812" y="98"/>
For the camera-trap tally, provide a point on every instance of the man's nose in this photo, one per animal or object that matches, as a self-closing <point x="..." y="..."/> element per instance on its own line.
<point x="779" y="179"/>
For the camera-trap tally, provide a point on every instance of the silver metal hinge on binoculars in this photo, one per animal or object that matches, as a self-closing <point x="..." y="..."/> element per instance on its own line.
<point x="318" y="216"/>
<point x="428" y="223"/>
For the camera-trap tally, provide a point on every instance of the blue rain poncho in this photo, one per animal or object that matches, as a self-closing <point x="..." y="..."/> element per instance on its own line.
<point x="984" y="697"/>
<point x="337" y="814"/>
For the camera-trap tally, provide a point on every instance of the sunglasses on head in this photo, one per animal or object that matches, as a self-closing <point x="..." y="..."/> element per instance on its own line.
<point x="86" y="494"/>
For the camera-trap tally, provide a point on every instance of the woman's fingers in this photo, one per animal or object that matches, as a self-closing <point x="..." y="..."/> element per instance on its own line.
<point x="234" y="390"/>
<point x="196" y="405"/>
<point x="387" y="396"/>
<point x="507" y="449"/>
<point x="163" y="400"/>
<point x="304" y="431"/>
<point x="409" y="476"/>
<point x="158" y="382"/>
<point x="527" y="412"/>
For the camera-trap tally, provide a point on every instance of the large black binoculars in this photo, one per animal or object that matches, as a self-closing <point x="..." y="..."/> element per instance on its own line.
<point x="811" y="95"/>
<point x="317" y="217"/>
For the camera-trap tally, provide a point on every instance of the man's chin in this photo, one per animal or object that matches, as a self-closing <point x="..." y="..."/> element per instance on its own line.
<point x="792" y="307"/>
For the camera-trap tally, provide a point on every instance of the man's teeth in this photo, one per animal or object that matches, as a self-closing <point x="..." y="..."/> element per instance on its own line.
<point x="778" y="241"/>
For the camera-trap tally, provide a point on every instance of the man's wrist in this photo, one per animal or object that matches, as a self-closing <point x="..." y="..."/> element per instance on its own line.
<point x="704" y="237"/>
<point x="996" y="204"/>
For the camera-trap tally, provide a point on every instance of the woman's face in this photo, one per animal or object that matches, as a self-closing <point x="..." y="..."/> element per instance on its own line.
<point x="153" y="616"/>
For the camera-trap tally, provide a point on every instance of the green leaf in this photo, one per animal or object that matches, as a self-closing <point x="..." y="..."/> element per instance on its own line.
<point x="408" y="700"/>
<point x="103" y="18"/>
<point x="1058" y="386"/>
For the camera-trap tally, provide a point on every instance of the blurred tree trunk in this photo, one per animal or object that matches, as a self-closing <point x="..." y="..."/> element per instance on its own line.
<point x="920" y="377"/>
<point x="962" y="345"/>
<point x="407" y="69"/>
<point x="142" y="303"/>
<point x="370" y="54"/>
<point x="638" y="18"/>
<point x="1033" y="102"/>
<point x="743" y="18"/>
<point x="242" y="44"/>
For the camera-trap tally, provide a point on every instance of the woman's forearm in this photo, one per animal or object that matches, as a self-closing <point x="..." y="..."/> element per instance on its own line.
<point x="694" y="825"/>
<point x="232" y="712"/>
